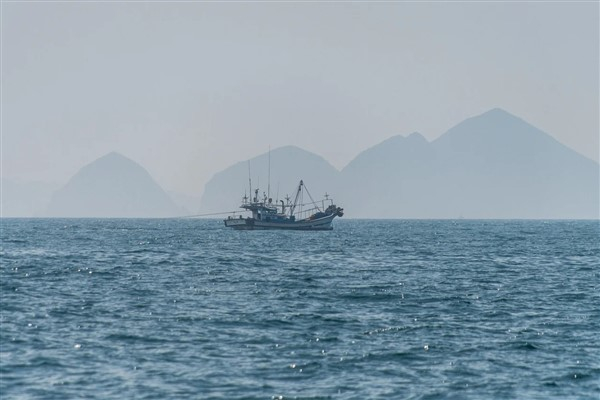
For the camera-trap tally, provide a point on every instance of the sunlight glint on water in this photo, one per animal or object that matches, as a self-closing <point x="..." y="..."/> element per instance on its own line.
<point x="400" y="309"/>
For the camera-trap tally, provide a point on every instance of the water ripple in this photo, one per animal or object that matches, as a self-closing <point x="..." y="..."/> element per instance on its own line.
<point x="374" y="309"/>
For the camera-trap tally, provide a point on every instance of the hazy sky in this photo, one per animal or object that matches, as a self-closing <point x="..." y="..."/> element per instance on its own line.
<point x="186" y="89"/>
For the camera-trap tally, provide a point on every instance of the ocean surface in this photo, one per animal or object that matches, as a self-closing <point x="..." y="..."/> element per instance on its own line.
<point x="402" y="309"/>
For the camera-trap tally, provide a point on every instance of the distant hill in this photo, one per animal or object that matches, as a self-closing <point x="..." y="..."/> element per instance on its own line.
<point x="497" y="164"/>
<point x="289" y="164"/>
<point x="112" y="186"/>
<point x="494" y="165"/>
<point x="380" y="181"/>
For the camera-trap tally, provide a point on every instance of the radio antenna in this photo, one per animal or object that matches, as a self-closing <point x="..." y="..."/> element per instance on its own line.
<point x="249" y="181"/>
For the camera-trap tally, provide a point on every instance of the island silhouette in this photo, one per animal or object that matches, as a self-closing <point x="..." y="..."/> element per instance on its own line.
<point x="112" y="186"/>
<point x="494" y="165"/>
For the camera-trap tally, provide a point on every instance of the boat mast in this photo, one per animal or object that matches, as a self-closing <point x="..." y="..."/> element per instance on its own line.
<point x="269" y="181"/>
<point x="296" y="198"/>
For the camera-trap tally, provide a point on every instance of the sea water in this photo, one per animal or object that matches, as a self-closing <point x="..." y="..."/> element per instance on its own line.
<point x="178" y="309"/>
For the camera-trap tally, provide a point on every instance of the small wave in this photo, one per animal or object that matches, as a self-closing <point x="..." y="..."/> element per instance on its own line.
<point x="208" y="312"/>
<point x="391" y="329"/>
<point x="528" y="346"/>
<point x="123" y="337"/>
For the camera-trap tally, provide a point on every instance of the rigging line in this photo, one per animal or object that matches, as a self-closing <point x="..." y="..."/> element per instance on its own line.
<point x="311" y="199"/>
<point x="209" y="214"/>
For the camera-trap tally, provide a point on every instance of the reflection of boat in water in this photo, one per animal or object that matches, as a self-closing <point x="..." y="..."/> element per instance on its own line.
<point x="292" y="216"/>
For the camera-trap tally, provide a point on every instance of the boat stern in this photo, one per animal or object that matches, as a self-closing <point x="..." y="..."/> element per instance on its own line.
<point x="239" y="223"/>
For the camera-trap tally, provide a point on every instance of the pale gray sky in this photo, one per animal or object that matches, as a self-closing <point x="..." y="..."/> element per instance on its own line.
<point x="186" y="89"/>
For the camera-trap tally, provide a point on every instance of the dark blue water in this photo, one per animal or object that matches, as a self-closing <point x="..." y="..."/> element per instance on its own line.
<point x="180" y="309"/>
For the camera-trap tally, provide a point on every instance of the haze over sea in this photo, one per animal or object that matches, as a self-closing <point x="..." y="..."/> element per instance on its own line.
<point x="154" y="309"/>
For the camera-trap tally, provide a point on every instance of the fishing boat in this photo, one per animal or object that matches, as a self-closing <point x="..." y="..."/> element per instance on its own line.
<point x="296" y="215"/>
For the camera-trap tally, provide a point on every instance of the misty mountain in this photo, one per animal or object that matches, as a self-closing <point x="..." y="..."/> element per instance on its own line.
<point x="505" y="167"/>
<point x="379" y="181"/>
<point x="112" y="186"/>
<point x="289" y="165"/>
<point x="494" y="165"/>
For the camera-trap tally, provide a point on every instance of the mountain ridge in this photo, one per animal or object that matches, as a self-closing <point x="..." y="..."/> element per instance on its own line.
<point x="112" y="186"/>
<point x="492" y="165"/>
